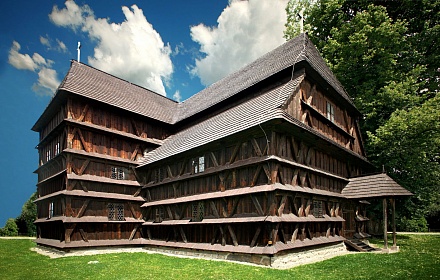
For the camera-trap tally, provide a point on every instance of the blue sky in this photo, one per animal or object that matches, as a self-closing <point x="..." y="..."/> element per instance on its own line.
<point x="173" y="47"/>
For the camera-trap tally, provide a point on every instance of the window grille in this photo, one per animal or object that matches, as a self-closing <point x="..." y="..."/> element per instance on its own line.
<point x="115" y="212"/>
<point x="198" y="164"/>
<point x="198" y="210"/>
<point x="317" y="209"/>
<point x="330" y="112"/>
<point x="118" y="173"/>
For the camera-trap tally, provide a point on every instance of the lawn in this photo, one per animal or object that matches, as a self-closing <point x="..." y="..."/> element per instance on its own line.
<point x="419" y="258"/>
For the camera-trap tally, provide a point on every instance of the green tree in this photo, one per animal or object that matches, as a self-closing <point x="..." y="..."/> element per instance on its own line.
<point x="408" y="145"/>
<point x="10" y="228"/>
<point x="27" y="217"/>
<point x="386" y="55"/>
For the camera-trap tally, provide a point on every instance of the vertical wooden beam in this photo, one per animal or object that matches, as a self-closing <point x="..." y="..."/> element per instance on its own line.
<point x="385" y="222"/>
<point x="68" y="232"/>
<point x="393" y="205"/>
<point x="223" y="235"/>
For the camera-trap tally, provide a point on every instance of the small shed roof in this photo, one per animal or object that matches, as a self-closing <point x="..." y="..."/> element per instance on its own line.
<point x="374" y="186"/>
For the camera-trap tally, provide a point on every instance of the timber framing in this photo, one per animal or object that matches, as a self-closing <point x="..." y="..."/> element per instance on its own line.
<point x="269" y="159"/>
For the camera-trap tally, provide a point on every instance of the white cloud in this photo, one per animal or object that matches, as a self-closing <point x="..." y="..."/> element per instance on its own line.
<point x="45" y="41"/>
<point x="177" y="96"/>
<point x="245" y="31"/>
<point x="20" y="61"/>
<point x="61" y="46"/>
<point x="39" y="60"/>
<point x="47" y="82"/>
<point x="71" y="16"/>
<point x="47" y="78"/>
<point x="132" y="50"/>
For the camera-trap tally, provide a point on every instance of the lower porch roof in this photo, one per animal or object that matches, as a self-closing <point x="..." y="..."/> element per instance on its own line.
<point x="374" y="186"/>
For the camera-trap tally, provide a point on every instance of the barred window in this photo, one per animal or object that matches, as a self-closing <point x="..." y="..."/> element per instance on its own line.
<point x="115" y="212"/>
<point x="198" y="209"/>
<point x="198" y="164"/>
<point x="317" y="209"/>
<point x="118" y="173"/>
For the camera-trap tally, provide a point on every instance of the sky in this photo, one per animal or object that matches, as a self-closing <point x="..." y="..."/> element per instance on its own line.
<point x="175" y="48"/>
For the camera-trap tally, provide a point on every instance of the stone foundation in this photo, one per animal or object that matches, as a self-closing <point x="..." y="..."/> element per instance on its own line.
<point x="306" y="256"/>
<point x="283" y="260"/>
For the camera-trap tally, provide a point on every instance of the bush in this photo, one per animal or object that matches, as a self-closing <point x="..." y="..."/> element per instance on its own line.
<point x="10" y="228"/>
<point x="416" y="224"/>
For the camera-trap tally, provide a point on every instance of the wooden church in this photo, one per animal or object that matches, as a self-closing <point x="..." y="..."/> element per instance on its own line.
<point x="267" y="160"/>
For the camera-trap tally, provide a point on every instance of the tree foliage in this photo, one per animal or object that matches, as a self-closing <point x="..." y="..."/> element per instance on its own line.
<point x="27" y="217"/>
<point x="386" y="55"/>
<point x="10" y="228"/>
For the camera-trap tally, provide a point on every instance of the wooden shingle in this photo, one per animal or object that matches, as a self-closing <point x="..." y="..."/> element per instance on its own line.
<point x="373" y="186"/>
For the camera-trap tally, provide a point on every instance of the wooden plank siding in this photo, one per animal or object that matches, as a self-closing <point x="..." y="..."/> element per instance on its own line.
<point x="282" y="158"/>
<point x="310" y="107"/>
<point x="92" y="144"/>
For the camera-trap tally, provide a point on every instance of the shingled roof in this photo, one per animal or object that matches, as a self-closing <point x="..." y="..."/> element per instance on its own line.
<point x="371" y="186"/>
<point x="238" y="118"/>
<point x="297" y="50"/>
<point x="95" y="84"/>
<point x="92" y="83"/>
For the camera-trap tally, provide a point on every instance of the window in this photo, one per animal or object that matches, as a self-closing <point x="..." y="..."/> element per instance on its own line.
<point x="118" y="173"/>
<point x="317" y="209"/>
<point x="48" y="155"/>
<point x="198" y="165"/>
<point x="50" y="210"/>
<point x="57" y="148"/>
<point x="198" y="209"/>
<point x="330" y="112"/>
<point x="115" y="212"/>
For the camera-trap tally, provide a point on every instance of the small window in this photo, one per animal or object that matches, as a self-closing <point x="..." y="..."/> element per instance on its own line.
<point x="317" y="209"/>
<point x="118" y="173"/>
<point x="48" y="155"/>
<point x="115" y="212"/>
<point x="50" y="210"/>
<point x="198" y="165"/>
<point x="57" y="148"/>
<point x="198" y="209"/>
<point x="330" y="112"/>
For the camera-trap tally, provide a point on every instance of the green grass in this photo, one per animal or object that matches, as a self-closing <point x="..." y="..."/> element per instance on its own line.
<point x="419" y="258"/>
